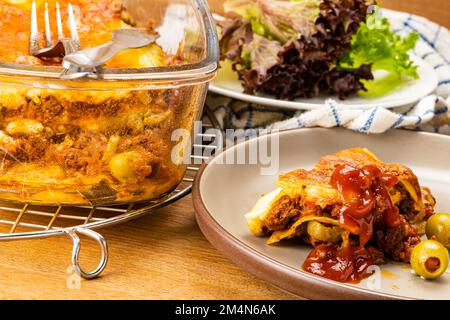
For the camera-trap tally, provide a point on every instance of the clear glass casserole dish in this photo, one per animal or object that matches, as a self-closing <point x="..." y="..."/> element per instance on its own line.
<point x="109" y="140"/>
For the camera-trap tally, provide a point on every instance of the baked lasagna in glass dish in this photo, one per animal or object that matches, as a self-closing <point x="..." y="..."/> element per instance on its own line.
<point x="352" y="208"/>
<point x="106" y="140"/>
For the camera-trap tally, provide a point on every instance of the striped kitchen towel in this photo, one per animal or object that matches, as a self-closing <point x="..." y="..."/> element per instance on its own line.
<point x="431" y="113"/>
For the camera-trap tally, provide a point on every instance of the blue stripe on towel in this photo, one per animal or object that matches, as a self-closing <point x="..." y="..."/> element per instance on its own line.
<point x="335" y="113"/>
<point x="426" y="55"/>
<point x="369" y="121"/>
<point x="436" y="35"/>
<point x="440" y="111"/>
<point x="248" y="123"/>
<point x="300" y="122"/>
<point x="431" y="43"/>
<point x="406" y="23"/>
<point x="398" y="121"/>
<point x="440" y="83"/>
<point x="419" y="120"/>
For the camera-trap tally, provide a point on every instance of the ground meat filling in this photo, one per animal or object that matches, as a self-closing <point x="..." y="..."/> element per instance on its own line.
<point x="44" y="111"/>
<point x="25" y="149"/>
<point x="77" y="149"/>
<point x="376" y="255"/>
<point x="282" y="213"/>
<point x="82" y="155"/>
<point x="398" y="242"/>
<point x="51" y="108"/>
<point x="395" y="243"/>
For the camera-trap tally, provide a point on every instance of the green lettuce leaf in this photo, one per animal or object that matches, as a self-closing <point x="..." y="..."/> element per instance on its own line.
<point x="282" y="21"/>
<point x="376" y="44"/>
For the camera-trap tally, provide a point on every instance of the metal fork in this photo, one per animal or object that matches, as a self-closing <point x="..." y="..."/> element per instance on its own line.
<point x="63" y="45"/>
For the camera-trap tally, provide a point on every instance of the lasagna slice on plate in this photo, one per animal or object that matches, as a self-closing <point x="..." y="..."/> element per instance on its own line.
<point x="352" y="208"/>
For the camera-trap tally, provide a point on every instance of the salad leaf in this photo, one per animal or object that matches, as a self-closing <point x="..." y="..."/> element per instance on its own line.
<point x="307" y="65"/>
<point x="250" y="54"/>
<point x="235" y="33"/>
<point x="259" y="56"/>
<point x="376" y="44"/>
<point x="302" y="48"/>
<point x="277" y="20"/>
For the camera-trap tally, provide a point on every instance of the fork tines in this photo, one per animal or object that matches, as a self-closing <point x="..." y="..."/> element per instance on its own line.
<point x="63" y="45"/>
<point x="48" y="32"/>
<point x="73" y="26"/>
<point x="34" y="34"/>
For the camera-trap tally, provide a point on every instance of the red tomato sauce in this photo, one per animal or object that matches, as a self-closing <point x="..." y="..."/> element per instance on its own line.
<point x="346" y="264"/>
<point x="364" y="192"/>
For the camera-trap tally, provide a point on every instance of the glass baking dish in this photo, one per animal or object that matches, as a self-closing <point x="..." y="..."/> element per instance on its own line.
<point x="107" y="140"/>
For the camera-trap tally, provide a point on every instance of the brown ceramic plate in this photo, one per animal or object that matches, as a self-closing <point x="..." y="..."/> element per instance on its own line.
<point x="224" y="193"/>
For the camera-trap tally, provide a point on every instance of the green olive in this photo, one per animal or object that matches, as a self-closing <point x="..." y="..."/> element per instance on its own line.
<point x="321" y="232"/>
<point x="438" y="226"/>
<point x="429" y="259"/>
<point x="121" y="166"/>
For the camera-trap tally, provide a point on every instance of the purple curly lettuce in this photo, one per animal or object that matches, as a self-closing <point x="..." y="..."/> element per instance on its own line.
<point x="303" y="67"/>
<point x="251" y="54"/>
<point x="235" y="32"/>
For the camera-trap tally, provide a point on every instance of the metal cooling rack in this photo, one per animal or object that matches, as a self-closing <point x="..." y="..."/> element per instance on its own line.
<point x="23" y="221"/>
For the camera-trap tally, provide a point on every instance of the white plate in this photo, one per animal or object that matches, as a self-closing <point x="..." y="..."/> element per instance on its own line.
<point x="223" y="193"/>
<point x="226" y="83"/>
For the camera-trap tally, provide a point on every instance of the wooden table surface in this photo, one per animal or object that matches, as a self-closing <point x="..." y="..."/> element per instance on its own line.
<point x="162" y="256"/>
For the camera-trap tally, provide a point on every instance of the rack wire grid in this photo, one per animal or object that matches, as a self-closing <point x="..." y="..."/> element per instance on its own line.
<point x="26" y="221"/>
